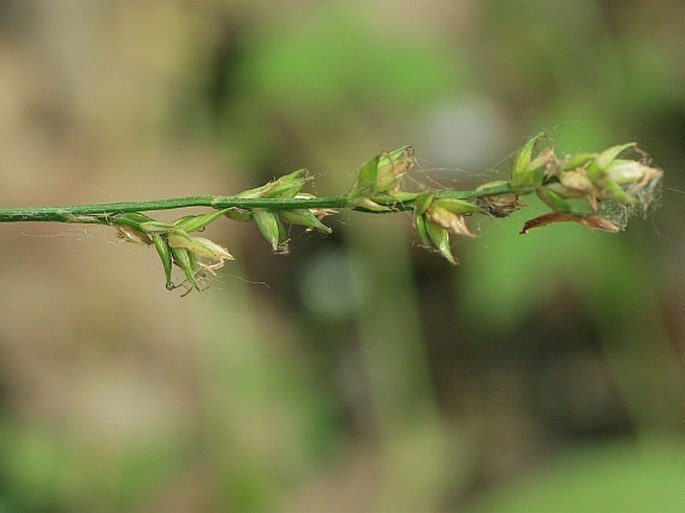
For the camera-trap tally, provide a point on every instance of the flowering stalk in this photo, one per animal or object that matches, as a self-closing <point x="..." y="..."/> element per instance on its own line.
<point x="586" y="188"/>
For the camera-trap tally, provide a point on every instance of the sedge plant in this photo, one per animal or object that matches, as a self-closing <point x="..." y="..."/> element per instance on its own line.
<point x="597" y="190"/>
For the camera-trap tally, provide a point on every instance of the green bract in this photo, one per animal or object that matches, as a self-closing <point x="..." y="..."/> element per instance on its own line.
<point x="164" y="252"/>
<point x="440" y="238"/>
<point x="304" y="217"/>
<point x="271" y="228"/>
<point x="196" y="223"/>
<point x="287" y="186"/>
<point x="528" y="171"/>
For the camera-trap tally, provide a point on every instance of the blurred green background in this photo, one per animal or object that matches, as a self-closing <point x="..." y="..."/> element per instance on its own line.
<point x="359" y="373"/>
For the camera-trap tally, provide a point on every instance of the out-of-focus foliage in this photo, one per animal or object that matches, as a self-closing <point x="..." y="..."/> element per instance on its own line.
<point x="613" y="477"/>
<point x="358" y="373"/>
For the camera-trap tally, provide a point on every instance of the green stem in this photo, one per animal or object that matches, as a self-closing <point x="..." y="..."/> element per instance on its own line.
<point x="98" y="213"/>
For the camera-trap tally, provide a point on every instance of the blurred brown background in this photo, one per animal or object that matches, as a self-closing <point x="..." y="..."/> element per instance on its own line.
<point x="359" y="373"/>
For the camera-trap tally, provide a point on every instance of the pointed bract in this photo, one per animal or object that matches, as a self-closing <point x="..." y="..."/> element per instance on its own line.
<point x="164" y="252"/>
<point x="306" y="218"/>
<point x="440" y="238"/>
<point x="191" y="224"/>
<point x="271" y="228"/>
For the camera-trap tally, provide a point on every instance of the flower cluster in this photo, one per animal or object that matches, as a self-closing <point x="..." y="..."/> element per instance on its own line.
<point x="596" y="190"/>
<point x="270" y="222"/>
<point x="435" y="218"/>
<point x="199" y="257"/>
<point x="602" y="182"/>
<point x="377" y="187"/>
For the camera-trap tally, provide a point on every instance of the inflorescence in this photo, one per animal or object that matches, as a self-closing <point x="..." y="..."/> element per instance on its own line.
<point x="597" y="190"/>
